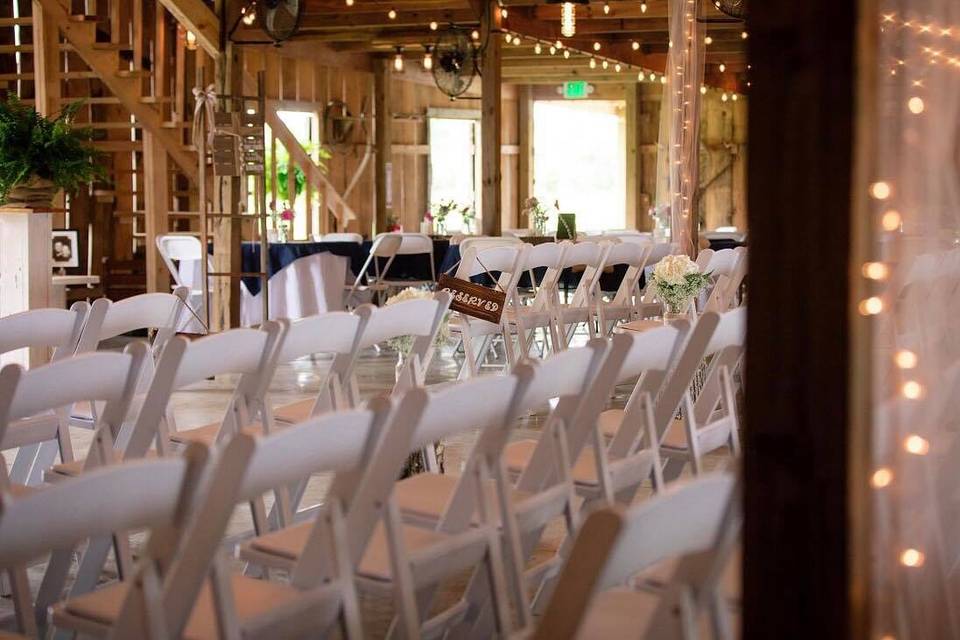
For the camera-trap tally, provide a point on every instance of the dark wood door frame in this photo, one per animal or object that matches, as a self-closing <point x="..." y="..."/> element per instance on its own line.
<point x="796" y="435"/>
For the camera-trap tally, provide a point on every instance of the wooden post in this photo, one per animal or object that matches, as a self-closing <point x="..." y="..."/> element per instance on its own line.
<point x="796" y="434"/>
<point x="633" y="99"/>
<point x="490" y="125"/>
<point x="46" y="68"/>
<point x="156" y="187"/>
<point x="384" y="140"/>
<point x="525" y="152"/>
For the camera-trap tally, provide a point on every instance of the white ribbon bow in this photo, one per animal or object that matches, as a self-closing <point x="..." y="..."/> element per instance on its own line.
<point x="206" y="102"/>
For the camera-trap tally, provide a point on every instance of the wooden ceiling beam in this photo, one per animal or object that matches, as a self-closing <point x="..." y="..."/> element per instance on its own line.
<point x="366" y="19"/>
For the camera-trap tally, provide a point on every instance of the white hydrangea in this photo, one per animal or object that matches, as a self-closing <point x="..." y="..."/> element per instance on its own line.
<point x="410" y="293"/>
<point x="675" y="269"/>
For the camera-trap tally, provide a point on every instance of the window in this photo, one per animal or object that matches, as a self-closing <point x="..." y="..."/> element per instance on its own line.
<point x="304" y="125"/>
<point x="579" y="160"/>
<point x="454" y="162"/>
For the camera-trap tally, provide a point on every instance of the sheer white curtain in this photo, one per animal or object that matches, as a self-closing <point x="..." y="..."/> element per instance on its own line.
<point x="914" y="280"/>
<point x="682" y="97"/>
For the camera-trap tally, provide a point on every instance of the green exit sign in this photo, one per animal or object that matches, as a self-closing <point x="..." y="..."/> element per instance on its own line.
<point x="575" y="90"/>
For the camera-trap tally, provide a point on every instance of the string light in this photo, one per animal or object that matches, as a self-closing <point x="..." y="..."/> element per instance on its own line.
<point x="911" y="558"/>
<point x="250" y="16"/>
<point x="537" y="49"/>
<point x="606" y="9"/>
<point x="433" y="25"/>
<point x="915" y="105"/>
<point x="605" y="64"/>
<point x="349" y="3"/>
<point x="191" y="41"/>
<point x="881" y="478"/>
<point x="553" y="50"/>
<point x="653" y="76"/>
<point x="641" y="76"/>
<point x="635" y="45"/>
<point x="916" y="445"/>
<point x="724" y="97"/>
<point x="503" y="13"/>
<point x="905" y="359"/>
<point x="722" y="67"/>
<point x="708" y="40"/>
<point x="616" y="67"/>
<point x="398" y="60"/>
<point x="566" y="53"/>
<point x="596" y="46"/>
<point x="880" y="190"/>
<point x="593" y="63"/>
<point x="703" y="89"/>
<point x="568" y="19"/>
<point x="875" y="271"/>
<point x="558" y="44"/>
<point x="891" y="220"/>
<point x="643" y="7"/>
<point x="734" y="97"/>
<point x="911" y="390"/>
<point x="663" y="79"/>
<point x="392" y="14"/>
<point x="744" y="35"/>
<point x="871" y="306"/>
<point x="428" y="58"/>
<point x="475" y="34"/>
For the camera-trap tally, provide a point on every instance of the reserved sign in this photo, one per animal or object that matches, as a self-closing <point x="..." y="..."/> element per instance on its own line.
<point x="472" y="299"/>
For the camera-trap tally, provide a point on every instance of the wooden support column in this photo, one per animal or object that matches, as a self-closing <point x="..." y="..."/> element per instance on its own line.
<point x="490" y="125"/>
<point x="46" y="61"/>
<point x="384" y="141"/>
<point x="525" y="152"/>
<point x="156" y="187"/>
<point x="796" y="433"/>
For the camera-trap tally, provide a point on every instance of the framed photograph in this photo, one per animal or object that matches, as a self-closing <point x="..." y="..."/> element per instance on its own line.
<point x="64" y="246"/>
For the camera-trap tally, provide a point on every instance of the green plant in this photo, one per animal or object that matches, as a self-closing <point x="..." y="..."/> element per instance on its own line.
<point x="321" y="154"/>
<point x="48" y="148"/>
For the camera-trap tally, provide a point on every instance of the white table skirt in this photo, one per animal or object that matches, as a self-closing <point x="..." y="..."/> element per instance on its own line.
<point x="307" y="286"/>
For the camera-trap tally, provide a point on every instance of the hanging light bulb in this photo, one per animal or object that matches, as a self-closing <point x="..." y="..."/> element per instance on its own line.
<point x="349" y="3"/>
<point x="516" y="41"/>
<point x="475" y="34"/>
<point x="635" y="45"/>
<point x="553" y="50"/>
<point x="641" y="76"/>
<point x="566" y="53"/>
<point x="508" y="37"/>
<point x="558" y="44"/>
<point x="653" y="77"/>
<point x="606" y="9"/>
<point x="722" y="67"/>
<point x="249" y="15"/>
<point x="703" y="89"/>
<point x="433" y="25"/>
<point x="568" y="19"/>
<point x="596" y="46"/>
<point x="734" y="97"/>
<point x="605" y="64"/>
<point x="708" y="40"/>
<point x="428" y="58"/>
<point x="392" y="14"/>
<point x="663" y="79"/>
<point x="725" y="97"/>
<point x="617" y="67"/>
<point x="593" y="63"/>
<point x="398" y="60"/>
<point x="191" y="39"/>
<point x="503" y="13"/>
<point x="537" y="49"/>
<point x="643" y="7"/>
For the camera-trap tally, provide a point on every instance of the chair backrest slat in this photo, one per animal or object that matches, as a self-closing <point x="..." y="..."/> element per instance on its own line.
<point x="56" y="328"/>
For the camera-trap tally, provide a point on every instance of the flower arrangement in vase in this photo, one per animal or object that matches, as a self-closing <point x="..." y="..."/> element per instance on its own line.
<point x="282" y="222"/>
<point x="677" y="280"/>
<point x="440" y="212"/>
<point x="427" y="225"/>
<point x="536" y="215"/>
<point x="469" y="215"/>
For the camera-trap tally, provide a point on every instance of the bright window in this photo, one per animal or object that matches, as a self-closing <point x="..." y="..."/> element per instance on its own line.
<point x="579" y="161"/>
<point x="454" y="164"/>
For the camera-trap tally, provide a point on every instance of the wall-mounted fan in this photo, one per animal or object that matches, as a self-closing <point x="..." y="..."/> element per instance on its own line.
<point x="455" y="62"/>
<point x="281" y="18"/>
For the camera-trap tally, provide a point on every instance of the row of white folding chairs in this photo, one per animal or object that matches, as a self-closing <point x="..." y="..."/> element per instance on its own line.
<point x="546" y="310"/>
<point x="580" y="378"/>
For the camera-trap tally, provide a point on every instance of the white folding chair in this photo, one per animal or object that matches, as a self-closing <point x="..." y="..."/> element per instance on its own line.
<point x="167" y="597"/>
<point x="182" y="254"/>
<point x="109" y="378"/>
<point x="698" y="522"/>
<point x="623" y="305"/>
<point x="728" y="265"/>
<point x="538" y="313"/>
<point x="419" y="319"/>
<point x="337" y="333"/>
<point x="366" y="450"/>
<point x="411" y="244"/>
<point x="581" y="308"/>
<point x="355" y="238"/>
<point x="479" y="259"/>
<point x="385" y="247"/>
<point x="709" y="420"/>
<point x="51" y="329"/>
<point x="482" y="243"/>
<point x="157" y="312"/>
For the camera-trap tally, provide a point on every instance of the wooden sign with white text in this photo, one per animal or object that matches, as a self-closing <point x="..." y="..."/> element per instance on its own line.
<point x="472" y="299"/>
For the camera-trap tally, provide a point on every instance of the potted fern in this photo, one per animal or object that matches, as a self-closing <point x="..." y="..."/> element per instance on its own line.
<point x="39" y="156"/>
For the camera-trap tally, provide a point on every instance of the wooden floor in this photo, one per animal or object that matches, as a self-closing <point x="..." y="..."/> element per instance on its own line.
<point x="205" y="403"/>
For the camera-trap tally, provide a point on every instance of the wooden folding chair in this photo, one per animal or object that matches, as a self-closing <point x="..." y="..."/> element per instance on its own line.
<point x="52" y="329"/>
<point x="697" y="521"/>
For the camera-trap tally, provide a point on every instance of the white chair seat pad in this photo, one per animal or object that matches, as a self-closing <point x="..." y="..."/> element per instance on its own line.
<point x="426" y="495"/>
<point x="609" y="421"/>
<point x="252" y="598"/>
<point x="207" y="434"/>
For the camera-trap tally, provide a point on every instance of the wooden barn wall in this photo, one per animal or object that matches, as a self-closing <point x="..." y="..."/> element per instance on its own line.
<point x="301" y="83"/>
<point x="412" y="95"/>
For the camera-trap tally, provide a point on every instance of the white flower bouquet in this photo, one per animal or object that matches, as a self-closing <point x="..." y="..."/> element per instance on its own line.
<point x="676" y="281"/>
<point x="403" y="344"/>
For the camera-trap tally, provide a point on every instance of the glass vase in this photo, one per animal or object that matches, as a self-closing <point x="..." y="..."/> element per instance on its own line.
<point x="675" y="309"/>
